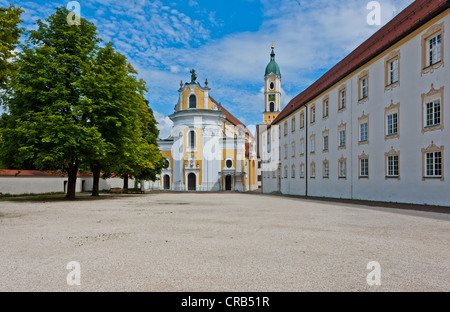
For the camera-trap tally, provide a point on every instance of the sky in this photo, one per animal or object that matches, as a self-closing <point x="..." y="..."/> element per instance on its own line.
<point x="226" y="42"/>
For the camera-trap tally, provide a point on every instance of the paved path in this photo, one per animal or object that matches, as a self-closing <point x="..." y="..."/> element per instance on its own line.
<point x="220" y="242"/>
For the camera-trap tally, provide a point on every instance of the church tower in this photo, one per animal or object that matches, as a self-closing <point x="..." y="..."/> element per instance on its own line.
<point x="272" y="90"/>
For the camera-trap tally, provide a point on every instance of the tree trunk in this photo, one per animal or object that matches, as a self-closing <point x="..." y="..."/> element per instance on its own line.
<point x="72" y="181"/>
<point x="125" y="183"/>
<point x="96" y="180"/>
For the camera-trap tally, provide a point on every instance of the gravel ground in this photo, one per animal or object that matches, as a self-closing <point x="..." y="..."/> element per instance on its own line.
<point x="220" y="242"/>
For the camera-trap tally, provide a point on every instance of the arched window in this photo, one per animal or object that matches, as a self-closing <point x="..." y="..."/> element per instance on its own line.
<point x="192" y="139"/>
<point x="192" y="101"/>
<point x="272" y="107"/>
<point x="272" y="86"/>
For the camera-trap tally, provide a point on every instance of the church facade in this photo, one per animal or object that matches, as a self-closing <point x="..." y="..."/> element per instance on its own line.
<point x="374" y="127"/>
<point x="209" y="149"/>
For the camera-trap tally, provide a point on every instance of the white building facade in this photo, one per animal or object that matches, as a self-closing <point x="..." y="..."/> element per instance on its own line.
<point x="209" y="149"/>
<point x="380" y="130"/>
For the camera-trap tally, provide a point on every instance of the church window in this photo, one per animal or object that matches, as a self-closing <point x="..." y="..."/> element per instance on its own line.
<point x="272" y="86"/>
<point x="192" y="101"/>
<point x="272" y="107"/>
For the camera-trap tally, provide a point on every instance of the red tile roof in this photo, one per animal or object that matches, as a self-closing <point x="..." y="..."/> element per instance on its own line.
<point x="410" y="19"/>
<point x="231" y="118"/>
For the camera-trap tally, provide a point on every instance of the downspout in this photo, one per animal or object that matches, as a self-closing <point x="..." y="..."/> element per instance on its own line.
<point x="306" y="150"/>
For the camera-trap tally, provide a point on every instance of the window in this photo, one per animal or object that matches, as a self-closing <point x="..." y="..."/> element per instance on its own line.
<point x="363" y="123"/>
<point x="326" y="169"/>
<point x="285" y="172"/>
<point x="364" y="85"/>
<point x="293" y="124"/>
<point x="302" y="120"/>
<point x="342" y="98"/>
<point x="393" y="71"/>
<point x="342" y="138"/>
<point x="432" y="48"/>
<point x="363" y="132"/>
<point x="302" y="171"/>
<point x="391" y="121"/>
<point x="342" y="168"/>
<point x="364" y="167"/>
<point x="293" y="171"/>
<point x="285" y="151"/>
<point x="433" y="113"/>
<point x="313" y="114"/>
<point x="432" y="162"/>
<point x="302" y="146"/>
<point x="229" y="163"/>
<point x="392" y="124"/>
<point x="326" y="107"/>
<point x="313" y="144"/>
<point x="293" y="149"/>
<point x="272" y="86"/>
<point x="432" y="109"/>
<point x="392" y="166"/>
<point x="313" y="170"/>
<point x="192" y="101"/>
<point x="285" y="128"/>
<point x="325" y="143"/>
<point x="272" y="107"/>
<point x="192" y="140"/>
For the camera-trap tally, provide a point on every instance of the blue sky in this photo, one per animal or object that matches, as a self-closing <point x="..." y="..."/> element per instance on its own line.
<point x="227" y="42"/>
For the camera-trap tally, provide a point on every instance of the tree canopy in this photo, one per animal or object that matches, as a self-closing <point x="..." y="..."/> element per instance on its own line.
<point x="76" y="105"/>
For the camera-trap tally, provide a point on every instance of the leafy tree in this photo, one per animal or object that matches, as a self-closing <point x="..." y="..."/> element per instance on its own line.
<point x="9" y="39"/>
<point x="48" y="125"/>
<point x="121" y="114"/>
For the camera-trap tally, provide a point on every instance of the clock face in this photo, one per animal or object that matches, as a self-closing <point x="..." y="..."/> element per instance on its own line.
<point x="271" y="97"/>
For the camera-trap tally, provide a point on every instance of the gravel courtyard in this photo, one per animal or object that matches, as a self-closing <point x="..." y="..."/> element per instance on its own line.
<point x="220" y="242"/>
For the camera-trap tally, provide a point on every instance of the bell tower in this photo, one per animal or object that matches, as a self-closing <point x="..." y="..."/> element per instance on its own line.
<point x="272" y="90"/>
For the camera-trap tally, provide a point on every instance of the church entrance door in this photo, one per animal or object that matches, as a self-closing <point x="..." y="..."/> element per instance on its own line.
<point x="192" y="182"/>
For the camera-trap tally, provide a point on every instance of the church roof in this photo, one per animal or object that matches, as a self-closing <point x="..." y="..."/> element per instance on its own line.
<point x="229" y="117"/>
<point x="272" y="67"/>
<point x="407" y="21"/>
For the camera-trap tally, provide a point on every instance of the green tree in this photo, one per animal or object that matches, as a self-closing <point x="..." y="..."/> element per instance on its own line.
<point x="9" y="39"/>
<point x="48" y="125"/>
<point x="121" y="114"/>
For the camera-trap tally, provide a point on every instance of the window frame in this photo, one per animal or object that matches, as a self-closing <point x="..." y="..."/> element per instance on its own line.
<point x="433" y="32"/>
<point x="388" y="155"/>
<point x="432" y="149"/>
<point x="432" y="96"/>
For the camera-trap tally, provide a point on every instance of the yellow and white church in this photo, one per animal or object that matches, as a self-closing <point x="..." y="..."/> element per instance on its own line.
<point x="209" y="149"/>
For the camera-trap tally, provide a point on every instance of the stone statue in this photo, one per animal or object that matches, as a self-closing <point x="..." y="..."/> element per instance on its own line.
<point x="193" y="76"/>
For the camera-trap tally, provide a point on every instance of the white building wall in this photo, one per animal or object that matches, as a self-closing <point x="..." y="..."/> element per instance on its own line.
<point x="410" y="187"/>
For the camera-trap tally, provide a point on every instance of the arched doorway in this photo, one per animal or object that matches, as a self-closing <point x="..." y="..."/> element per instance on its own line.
<point x="228" y="183"/>
<point x="192" y="182"/>
<point x="167" y="182"/>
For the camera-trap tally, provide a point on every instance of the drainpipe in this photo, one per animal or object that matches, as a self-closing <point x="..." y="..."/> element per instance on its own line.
<point x="306" y="150"/>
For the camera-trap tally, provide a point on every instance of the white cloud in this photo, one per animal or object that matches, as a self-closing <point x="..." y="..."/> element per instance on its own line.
<point x="164" y="125"/>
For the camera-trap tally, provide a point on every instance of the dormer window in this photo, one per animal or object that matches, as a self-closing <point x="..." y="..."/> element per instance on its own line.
<point x="192" y="101"/>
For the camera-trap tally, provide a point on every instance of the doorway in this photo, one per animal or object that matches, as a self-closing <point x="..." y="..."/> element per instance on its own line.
<point x="228" y="183"/>
<point x="167" y="182"/>
<point x="192" y="182"/>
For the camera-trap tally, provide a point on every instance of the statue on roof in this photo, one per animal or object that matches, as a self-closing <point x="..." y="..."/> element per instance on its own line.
<point x="193" y="76"/>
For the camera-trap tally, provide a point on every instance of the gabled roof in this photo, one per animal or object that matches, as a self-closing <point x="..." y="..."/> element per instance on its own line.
<point x="229" y="117"/>
<point x="407" y="21"/>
